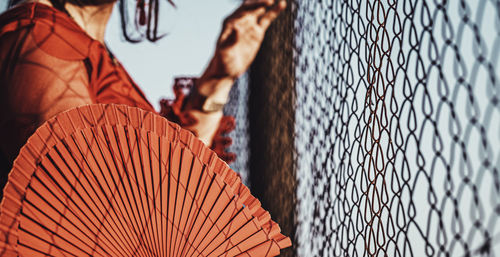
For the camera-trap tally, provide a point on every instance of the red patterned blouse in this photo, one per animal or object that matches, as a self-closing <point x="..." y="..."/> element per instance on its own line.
<point x="48" y="64"/>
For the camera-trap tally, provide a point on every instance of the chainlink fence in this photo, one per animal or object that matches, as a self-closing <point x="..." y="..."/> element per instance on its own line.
<point x="397" y="128"/>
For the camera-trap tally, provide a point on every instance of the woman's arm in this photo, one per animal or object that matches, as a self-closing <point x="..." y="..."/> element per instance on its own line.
<point x="238" y="44"/>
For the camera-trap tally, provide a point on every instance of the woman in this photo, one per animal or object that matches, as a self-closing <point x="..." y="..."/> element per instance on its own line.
<point x="53" y="58"/>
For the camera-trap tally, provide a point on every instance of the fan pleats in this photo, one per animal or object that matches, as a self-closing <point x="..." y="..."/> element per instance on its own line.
<point x="106" y="180"/>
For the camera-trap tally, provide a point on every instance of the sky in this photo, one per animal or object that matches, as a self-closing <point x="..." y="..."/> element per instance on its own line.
<point x="192" y="30"/>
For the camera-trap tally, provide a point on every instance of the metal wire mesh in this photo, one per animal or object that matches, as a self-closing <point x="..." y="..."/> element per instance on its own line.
<point x="398" y="128"/>
<point x="238" y="108"/>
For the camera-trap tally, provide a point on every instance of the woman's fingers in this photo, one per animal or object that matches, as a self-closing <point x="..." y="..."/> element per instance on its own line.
<point x="255" y="7"/>
<point x="254" y="13"/>
<point x="251" y="4"/>
<point x="242" y="35"/>
<point x="262" y="11"/>
<point x="267" y="18"/>
<point x="240" y="24"/>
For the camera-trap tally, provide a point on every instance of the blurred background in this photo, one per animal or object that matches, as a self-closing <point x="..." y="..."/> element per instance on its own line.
<point x="366" y="128"/>
<point x="191" y="31"/>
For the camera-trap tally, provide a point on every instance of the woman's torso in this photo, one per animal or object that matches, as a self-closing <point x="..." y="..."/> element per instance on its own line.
<point x="39" y="47"/>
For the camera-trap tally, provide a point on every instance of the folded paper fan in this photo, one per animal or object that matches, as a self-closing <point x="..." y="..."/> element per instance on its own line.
<point x="110" y="180"/>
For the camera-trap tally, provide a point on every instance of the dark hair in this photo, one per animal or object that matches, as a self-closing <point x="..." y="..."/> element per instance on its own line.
<point x="145" y="19"/>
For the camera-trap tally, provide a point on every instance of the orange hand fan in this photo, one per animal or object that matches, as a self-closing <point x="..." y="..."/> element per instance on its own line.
<point x="107" y="180"/>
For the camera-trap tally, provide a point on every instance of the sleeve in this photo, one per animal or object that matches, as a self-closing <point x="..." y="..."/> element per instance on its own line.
<point x="172" y="109"/>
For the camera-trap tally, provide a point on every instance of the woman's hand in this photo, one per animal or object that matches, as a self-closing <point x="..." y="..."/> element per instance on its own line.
<point x="241" y="37"/>
<point x="238" y="44"/>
